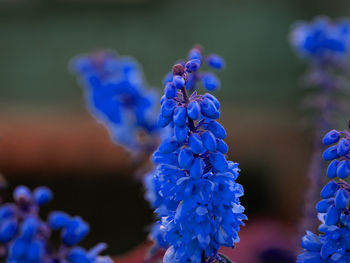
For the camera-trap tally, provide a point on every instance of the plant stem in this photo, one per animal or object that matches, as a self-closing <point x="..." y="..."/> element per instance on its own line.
<point x="190" y="121"/>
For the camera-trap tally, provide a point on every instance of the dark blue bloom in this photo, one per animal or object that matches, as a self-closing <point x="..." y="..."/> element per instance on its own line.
<point x="26" y="238"/>
<point x="117" y="95"/>
<point x="193" y="187"/>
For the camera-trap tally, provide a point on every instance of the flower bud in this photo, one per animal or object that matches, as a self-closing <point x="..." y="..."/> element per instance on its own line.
<point x="185" y="158"/>
<point x="179" y="82"/>
<point x="209" y="141"/>
<point x="195" y="143"/>
<point x="209" y="110"/>
<point x="180" y="116"/>
<point x="330" y="153"/>
<point x="193" y="65"/>
<point x="343" y="147"/>
<point x="332" y="169"/>
<point x="343" y="169"/>
<point x="217" y="129"/>
<point x="331" y="137"/>
<point x="329" y="190"/>
<point x="168" y="145"/>
<point x="341" y="199"/>
<point x="42" y="195"/>
<point x="215" y="61"/>
<point x="210" y="81"/>
<point x="219" y="162"/>
<point x="194" y="110"/>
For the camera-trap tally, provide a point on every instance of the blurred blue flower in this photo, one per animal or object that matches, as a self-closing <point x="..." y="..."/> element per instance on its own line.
<point x="321" y="40"/>
<point x="26" y="238"/>
<point x="117" y="95"/>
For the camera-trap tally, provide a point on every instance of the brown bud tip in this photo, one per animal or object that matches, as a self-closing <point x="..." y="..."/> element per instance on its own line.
<point x="199" y="47"/>
<point x="178" y="69"/>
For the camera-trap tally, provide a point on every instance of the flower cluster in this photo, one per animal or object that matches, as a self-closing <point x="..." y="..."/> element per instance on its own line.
<point x="194" y="81"/>
<point x="332" y="245"/>
<point x="207" y="79"/>
<point x="117" y="95"/>
<point x="26" y="238"/>
<point x="321" y="40"/>
<point x="194" y="189"/>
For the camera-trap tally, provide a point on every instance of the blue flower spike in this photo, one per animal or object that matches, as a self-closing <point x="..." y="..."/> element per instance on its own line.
<point x="193" y="188"/>
<point x="26" y="238"/>
<point x="332" y="243"/>
<point x="118" y="96"/>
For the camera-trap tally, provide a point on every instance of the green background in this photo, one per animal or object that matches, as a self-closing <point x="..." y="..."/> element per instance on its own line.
<point x="38" y="38"/>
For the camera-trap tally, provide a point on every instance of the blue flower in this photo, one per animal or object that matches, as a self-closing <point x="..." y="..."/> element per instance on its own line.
<point x="117" y="95"/>
<point x="26" y="238"/>
<point x="193" y="187"/>
<point x="322" y="40"/>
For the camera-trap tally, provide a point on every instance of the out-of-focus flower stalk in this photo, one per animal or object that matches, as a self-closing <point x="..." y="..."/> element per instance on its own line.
<point x="324" y="45"/>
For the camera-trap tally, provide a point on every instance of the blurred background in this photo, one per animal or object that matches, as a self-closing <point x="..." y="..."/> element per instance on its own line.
<point x="49" y="138"/>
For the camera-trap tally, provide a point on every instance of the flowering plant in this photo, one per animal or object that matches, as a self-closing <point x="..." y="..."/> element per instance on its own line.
<point x="26" y="238"/>
<point x="324" y="45"/>
<point x="193" y="186"/>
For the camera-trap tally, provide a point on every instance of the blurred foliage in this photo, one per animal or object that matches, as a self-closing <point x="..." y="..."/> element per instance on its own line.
<point x="38" y="38"/>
